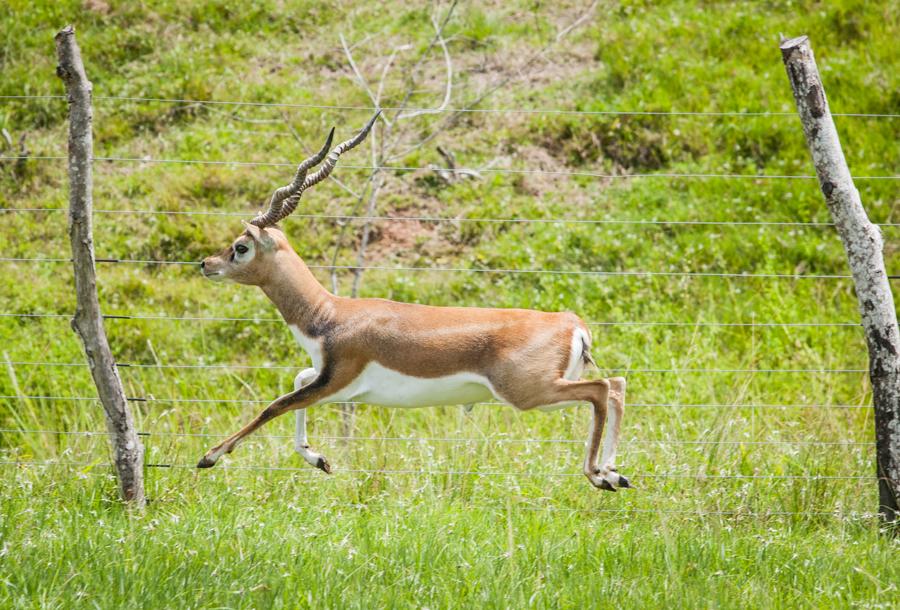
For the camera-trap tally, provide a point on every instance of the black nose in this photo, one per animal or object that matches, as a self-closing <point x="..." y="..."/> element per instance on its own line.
<point x="202" y="264"/>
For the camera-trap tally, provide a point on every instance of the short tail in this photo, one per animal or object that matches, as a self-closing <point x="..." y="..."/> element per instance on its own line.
<point x="586" y="353"/>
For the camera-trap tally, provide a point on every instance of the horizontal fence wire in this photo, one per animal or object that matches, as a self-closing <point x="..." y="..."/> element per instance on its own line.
<point x="734" y="512"/>
<point x="166" y="318"/>
<point x="279" y="367"/>
<point x="493" y="170"/>
<point x="507" y="271"/>
<point x="477" y="473"/>
<point x="454" y="220"/>
<point x="252" y="401"/>
<point x="458" y="440"/>
<point x="448" y="110"/>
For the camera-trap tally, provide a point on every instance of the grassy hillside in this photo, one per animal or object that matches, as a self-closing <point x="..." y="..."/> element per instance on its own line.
<point x="747" y="432"/>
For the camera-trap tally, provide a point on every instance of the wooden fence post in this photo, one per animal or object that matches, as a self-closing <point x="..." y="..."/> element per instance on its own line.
<point x="88" y="322"/>
<point x="863" y="244"/>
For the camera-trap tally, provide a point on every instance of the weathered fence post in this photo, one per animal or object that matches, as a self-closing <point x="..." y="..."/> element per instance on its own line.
<point x="863" y="243"/>
<point x="88" y="322"/>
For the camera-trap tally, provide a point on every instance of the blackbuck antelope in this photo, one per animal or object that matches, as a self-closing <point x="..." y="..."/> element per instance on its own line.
<point x="386" y="353"/>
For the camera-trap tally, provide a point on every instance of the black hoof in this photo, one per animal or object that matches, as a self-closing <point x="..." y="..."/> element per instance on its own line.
<point x="604" y="484"/>
<point x="624" y="483"/>
<point x="323" y="465"/>
<point x="205" y="462"/>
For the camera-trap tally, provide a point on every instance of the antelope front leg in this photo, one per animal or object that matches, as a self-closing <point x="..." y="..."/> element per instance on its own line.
<point x="308" y="395"/>
<point x="301" y="443"/>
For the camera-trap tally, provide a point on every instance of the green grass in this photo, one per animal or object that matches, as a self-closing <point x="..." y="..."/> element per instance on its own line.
<point x="735" y="531"/>
<point x="271" y="540"/>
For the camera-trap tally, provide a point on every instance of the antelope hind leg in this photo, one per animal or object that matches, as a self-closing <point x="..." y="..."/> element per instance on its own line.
<point x="616" y="411"/>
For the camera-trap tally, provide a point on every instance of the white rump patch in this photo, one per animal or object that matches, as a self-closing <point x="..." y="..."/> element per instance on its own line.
<point x="576" y="363"/>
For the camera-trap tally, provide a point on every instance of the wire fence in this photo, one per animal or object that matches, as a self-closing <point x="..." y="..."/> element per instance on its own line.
<point x="852" y="444"/>
<point x="467" y="219"/>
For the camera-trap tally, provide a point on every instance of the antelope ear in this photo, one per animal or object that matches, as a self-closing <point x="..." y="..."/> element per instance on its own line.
<point x="253" y="230"/>
<point x="260" y="236"/>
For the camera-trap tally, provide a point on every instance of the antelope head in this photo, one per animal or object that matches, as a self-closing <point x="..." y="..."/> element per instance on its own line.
<point x="248" y="259"/>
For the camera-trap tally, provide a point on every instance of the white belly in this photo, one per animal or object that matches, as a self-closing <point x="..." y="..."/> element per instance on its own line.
<point x="379" y="385"/>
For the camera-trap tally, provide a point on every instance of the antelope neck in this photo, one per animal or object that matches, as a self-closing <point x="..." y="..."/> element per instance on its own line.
<point x="300" y="298"/>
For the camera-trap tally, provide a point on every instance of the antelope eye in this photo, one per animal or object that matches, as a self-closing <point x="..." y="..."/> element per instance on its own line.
<point x="241" y="249"/>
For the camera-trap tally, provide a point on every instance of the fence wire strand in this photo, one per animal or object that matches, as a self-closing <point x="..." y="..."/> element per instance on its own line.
<point x="254" y="401"/>
<point x="278" y="367"/>
<point x="506" y="271"/>
<point x="166" y="318"/>
<point x="460" y="440"/>
<point x="484" y="169"/>
<point x="466" y="219"/>
<point x="448" y="110"/>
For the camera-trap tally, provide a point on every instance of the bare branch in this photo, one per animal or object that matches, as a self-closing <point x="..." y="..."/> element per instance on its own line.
<point x="24" y="153"/>
<point x="340" y="238"/>
<point x="412" y="72"/>
<point x="449" y="88"/>
<point x="367" y="38"/>
<point x="367" y="231"/>
<point x="449" y="158"/>
<point x="384" y="73"/>
<point x="359" y="76"/>
<point x="379" y="149"/>
<point x="450" y="118"/>
<point x="584" y="17"/>
<point x="451" y="173"/>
